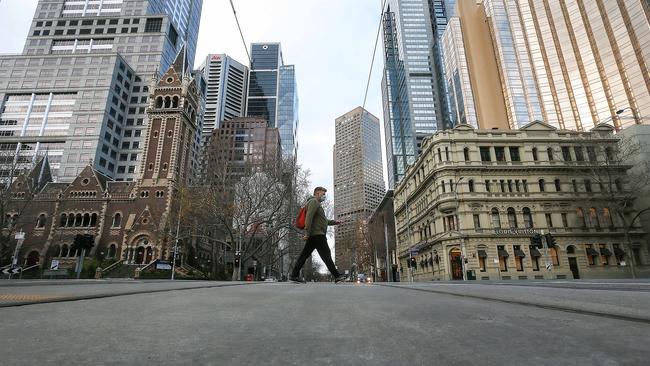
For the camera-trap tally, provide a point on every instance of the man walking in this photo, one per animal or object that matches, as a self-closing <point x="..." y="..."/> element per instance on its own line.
<point x="316" y="236"/>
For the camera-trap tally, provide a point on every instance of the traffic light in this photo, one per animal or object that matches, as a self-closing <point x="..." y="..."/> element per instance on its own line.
<point x="414" y="263"/>
<point x="536" y="241"/>
<point x="237" y="259"/>
<point x="550" y="240"/>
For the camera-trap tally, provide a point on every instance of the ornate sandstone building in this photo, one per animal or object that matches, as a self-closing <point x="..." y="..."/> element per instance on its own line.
<point x="130" y="221"/>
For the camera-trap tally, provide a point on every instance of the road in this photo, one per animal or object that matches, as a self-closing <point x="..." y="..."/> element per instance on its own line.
<point x="209" y="323"/>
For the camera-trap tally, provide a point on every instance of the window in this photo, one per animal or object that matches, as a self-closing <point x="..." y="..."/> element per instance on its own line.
<point x="153" y="25"/>
<point x="500" y="153"/>
<point x="608" y="154"/>
<point x="587" y="185"/>
<point x="503" y="258"/>
<point x="482" y="255"/>
<point x="485" y="153"/>
<point x="514" y="154"/>
<point x="466" y="153"/>
<point x="40" y="223"/>
<point x="575" y="185"/>
<point x="512" y="218"/>
<point x="510" y="185"/>
<point x="496" y="219"/>
<point x="541" y="185"/>
<point x="580" y="156"/>
<point x="591" y="153"/>
<point x="565" y="221"/>
<point x="470" y="185"/>
<point x="519" y="258"/>
<point x="558" y="186"/>
<point x="604" y="254"/>
<point x="477" y="221"/>
<point x="117" y="220"/>
<point x="607" y="218"/>
<point x="581" y="217"/>
<point x="502" y="185"/>
<point x="535" y="158"/>
<point x="593" y="218"/>
<point x="549" y="153"/>
<point x="591" y="254"/>
<point x="619" y="185"/>
<point x="524" y="184"/>
<point x="549" y="220"/>
<point x="566" y="153"/>
<point x="528" y="218"/>
<point x="487" y="185"/>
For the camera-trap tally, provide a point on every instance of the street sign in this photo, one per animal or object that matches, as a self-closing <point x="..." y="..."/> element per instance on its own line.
<point x="54" y="265"/>
<point x="163" y="265"/>
<point x="549" y="266"/>
<point x="20" y="235"/>
<point x="414" y="252"/>
<point x="14" y="270"/>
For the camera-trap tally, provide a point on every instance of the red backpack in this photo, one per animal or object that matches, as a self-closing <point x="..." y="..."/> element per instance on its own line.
<point x="300" y="220"/>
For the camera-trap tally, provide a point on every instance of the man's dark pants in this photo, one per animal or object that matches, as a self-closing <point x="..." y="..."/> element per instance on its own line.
<point x="318" y="242"/>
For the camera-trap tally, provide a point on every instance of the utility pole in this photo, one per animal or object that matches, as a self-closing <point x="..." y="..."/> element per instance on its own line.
<point x="20" y="237"/>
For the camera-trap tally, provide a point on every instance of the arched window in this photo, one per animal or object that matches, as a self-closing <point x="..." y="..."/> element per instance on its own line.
<point x="86" y="220"/>
<point x="112" y="250"/>
<point x="78" y="220"/>
<point x="71" y="219"/>
<point x="512" y="218"/>
<point x="549" y="153"/>
<point x="581" y="217"/>
<point x="175" y="102"/>
<point x="535" y="154"/>
<point x="93" y="220"/>
<point x="496" y="219"/>
<point x="466" y="153"/>
<point x="40" y="223"/>
<point x="64" y="220"/>
<point x="593" y="218"/>
<point x="168" y="102"/>
<point x="570" y="249"/>
<point x="558" y="186"/>
<point x="117" y="220"/>
<point x="470" y="184"/>
<point x="528" y="218"/>
<point x="159" y="102"/>
<point x="541" y="185"/>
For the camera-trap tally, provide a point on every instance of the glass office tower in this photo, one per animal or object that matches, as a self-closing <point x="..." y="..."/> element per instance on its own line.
<point x="414" y="93"/>
<point x="272" y="93"/>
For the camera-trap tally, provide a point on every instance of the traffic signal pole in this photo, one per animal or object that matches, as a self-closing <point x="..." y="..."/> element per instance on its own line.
<point x="546" y="258"/>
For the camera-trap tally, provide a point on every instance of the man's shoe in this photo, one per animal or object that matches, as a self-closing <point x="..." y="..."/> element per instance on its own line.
<point x="341" y="278"/>
<point x="296" y="280"/>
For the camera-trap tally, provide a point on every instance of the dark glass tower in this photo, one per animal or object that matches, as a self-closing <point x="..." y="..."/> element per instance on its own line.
<point x="272" y="93"/>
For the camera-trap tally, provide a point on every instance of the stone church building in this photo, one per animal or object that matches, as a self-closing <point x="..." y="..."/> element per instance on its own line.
<point x="129" y="220"/>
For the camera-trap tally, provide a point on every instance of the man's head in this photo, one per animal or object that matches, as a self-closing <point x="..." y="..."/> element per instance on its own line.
<point x="319" y="193"/>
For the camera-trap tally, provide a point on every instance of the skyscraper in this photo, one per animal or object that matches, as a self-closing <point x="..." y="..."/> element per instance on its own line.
<point x="226" y="90"/>
<point x="575" y="63"/>
<point x="79" y="91"/>
<point x="358" y="178"/>
<point x="272" y="93"/>
<point x="412" y="86"/>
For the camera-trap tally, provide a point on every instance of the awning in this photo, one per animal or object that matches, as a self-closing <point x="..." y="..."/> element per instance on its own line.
<point x="482" y="253"/>
<point x="592" y="253"/>
<point x="520" y="253"/>
<point x="619" y="252"/>
<point x="535" y="253"/>
<point x="503" y="253"/>
<point x="605" y="252"/>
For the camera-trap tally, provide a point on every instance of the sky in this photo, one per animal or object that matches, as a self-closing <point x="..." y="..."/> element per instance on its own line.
<point x="330" y="42"/>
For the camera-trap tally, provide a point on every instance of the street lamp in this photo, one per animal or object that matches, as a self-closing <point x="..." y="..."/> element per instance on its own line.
<point x="462" y="244"/>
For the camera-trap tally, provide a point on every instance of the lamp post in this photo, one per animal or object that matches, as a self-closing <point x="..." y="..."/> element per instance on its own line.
<point x="20" y="237"/>
<point x="462" y="243"/>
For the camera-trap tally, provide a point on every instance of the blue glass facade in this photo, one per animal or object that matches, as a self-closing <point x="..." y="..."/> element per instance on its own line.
<point x="272" y="93"/>
<point x="185" y="18"/>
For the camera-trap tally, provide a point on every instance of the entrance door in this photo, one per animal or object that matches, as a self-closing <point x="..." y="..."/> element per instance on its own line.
<point x="149" y="256"/>
<point x="573" y="265"/>
<point x="455" y="258"/>
<point x="139" y="255"/>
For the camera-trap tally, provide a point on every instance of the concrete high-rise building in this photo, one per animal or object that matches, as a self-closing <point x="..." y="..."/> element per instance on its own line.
<point x="358" y="178"/>
<point x="574" y="63"/>
<point x="273" y="94"/>
<point x="227" y="80"/>
<point x="79" y="91"/>
<point x="413" y="88"/>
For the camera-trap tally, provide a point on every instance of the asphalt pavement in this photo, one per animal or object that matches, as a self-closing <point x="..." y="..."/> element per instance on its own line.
<point x="208" y="323"/>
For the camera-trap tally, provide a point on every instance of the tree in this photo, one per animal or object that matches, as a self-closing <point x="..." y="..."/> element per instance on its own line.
<point x="607" y="163"/>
